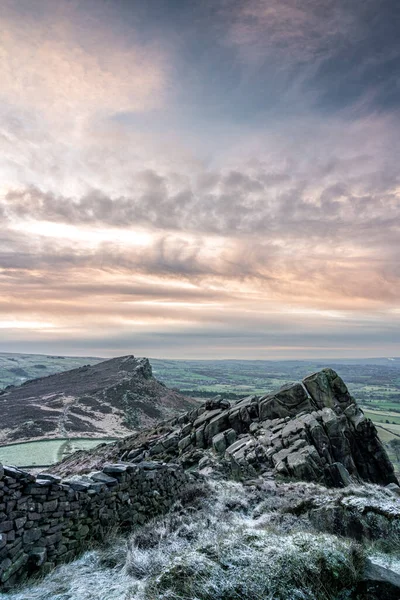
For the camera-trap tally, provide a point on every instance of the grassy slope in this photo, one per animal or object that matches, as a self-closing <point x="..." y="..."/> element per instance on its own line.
<point x="227" y="541"/>
<point x="223" y="546"/>
<point x="17" y="368"/>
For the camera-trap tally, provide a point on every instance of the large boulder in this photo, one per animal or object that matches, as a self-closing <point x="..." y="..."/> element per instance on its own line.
<point x="386" y="572"/>
<point x="327" y="389"/>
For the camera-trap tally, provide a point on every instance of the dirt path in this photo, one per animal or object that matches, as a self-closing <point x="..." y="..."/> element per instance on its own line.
<point x="68" y="402"/>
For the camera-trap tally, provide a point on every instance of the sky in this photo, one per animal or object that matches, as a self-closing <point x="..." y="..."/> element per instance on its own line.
<point x="200" y="178"/>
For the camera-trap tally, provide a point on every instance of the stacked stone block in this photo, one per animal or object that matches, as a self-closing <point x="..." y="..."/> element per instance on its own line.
<point x="45" y="520"/>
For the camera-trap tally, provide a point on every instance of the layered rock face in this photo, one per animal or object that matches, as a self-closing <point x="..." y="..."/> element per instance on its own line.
<point x="312" y="431"/>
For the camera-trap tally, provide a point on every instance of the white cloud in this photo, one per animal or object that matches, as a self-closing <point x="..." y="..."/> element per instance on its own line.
<point x="66" y="66"/>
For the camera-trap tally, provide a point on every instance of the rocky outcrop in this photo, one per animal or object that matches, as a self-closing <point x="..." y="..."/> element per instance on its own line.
<point x="366" y="514"/>
<point x="387" y="573"/>
<point x="312" y="431"/>
<point x="109" y="399"/>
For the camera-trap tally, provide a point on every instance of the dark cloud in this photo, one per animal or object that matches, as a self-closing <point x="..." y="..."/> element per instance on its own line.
<point x="333" y="54"/>
<point x="244" y="58"/>
<point x="365" y="67"/>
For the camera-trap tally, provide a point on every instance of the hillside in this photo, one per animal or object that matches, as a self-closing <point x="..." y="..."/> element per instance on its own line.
<point x="109" y="399"/>
<point x="18" y="368"/>
<point x="289" y="495"/>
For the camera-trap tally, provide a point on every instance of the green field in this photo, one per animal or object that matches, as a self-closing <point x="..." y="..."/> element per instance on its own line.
<point x="376" y="384"/>
<point x="45" y="452"/>
<point x="388" y="432"/>
<point x="388" y="419"/>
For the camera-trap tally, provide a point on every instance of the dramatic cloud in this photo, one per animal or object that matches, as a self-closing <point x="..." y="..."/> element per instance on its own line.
<point x="207" y="179"/>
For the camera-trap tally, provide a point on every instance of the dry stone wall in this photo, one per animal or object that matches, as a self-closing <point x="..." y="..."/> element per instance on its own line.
<point x="45" y="520"/>
<point x="310" y="431"/>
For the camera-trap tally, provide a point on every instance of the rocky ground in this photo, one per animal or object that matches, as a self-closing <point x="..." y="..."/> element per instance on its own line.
<point x="109" y="399"/>
<point x="312" y="431"/>
<point x="253" y="540"/>
<point x="292" y="497"/>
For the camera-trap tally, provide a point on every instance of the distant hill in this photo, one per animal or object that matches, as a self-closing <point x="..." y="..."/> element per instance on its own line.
<point x="18" y="368"/>
<point x="214" y="376"/>
<point x="111" y="398"/>
<point x="375" y="382"/>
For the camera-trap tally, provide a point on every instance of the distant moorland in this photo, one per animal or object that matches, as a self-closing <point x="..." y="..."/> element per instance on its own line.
<point x="18" y="368"/>
<point x="375" y="383"/>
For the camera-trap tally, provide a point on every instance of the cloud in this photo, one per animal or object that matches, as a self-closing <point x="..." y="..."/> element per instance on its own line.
<point x="308" y="273"/>
<point x="334" y="55"/>
<point x="175" y="176"/>
<point x="325" y="180"/>
<point x="273" y="338"/>
<point x="68" y="64"/>
<point x="295" y="31"/>
<point x="306" y="225"/>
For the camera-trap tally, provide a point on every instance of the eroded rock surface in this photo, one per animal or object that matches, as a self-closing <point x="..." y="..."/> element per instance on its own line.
<point x="313" y="431"/>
